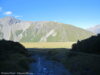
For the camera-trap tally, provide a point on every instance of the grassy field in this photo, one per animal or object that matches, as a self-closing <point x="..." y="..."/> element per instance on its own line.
<point x="48" y="45"/>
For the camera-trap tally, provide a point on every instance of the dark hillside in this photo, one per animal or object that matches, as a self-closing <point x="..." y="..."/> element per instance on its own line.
<point x="90" y="45"/>
<point x="13" y="57"/>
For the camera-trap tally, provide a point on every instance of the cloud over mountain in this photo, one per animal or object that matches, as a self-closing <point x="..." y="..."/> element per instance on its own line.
<point x="95" y="29"/>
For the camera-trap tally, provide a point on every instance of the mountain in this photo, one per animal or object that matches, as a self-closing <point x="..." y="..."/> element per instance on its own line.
<point x="40" y="31"/>
<point x="95" y="29"/>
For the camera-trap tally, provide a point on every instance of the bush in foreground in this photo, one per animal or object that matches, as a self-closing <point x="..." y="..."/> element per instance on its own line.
<point x="90" y="45"/>
<point x="13" y="57"/>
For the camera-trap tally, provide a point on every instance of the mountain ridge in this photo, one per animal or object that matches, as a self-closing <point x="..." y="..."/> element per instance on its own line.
<point x="40" y="31"/>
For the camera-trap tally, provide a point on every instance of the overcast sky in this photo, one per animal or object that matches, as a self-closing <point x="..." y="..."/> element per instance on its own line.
<point x="81" y="13"/>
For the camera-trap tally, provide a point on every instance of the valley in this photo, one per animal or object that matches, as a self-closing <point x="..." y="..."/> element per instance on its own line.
<point x="48" y="44"/>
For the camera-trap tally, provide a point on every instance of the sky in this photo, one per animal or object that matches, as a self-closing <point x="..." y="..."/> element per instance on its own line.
<point x="80" y="13"/>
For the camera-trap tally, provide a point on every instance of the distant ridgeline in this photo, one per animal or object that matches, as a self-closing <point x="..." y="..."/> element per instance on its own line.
<point x="90" y="45"/>
<point x="40" y="31"/>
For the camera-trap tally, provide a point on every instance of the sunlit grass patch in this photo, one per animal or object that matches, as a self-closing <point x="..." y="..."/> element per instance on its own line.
<point x="48" y="45"/>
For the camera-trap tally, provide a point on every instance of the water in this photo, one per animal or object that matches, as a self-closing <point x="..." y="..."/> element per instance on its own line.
<point x="47" y="67"/>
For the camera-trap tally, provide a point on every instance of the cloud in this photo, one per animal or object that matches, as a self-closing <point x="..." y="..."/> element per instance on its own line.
<point x="8" y="13"/>
<point x="0" y="9"/>
<point x="94" y="29"/>
<point x="18" y="16"/>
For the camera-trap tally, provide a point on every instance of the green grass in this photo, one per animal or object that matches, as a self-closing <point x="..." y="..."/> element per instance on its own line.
<point x="64" y="33"/>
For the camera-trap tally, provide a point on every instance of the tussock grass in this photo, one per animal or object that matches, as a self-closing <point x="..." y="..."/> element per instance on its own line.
<point x="48" y="44"/>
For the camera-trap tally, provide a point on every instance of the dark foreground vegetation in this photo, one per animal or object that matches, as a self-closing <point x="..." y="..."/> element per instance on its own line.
<point x="90" y="45"/>
<point x="13" y="57"/>
<point x="82" y="59"/>
<point x="77" y="63"/>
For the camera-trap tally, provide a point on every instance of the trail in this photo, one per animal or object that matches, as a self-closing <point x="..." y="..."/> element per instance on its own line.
<point x="47" y="67"/>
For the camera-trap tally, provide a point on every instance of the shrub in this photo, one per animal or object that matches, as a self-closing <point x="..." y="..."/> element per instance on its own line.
<point x="13" y="57"/>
